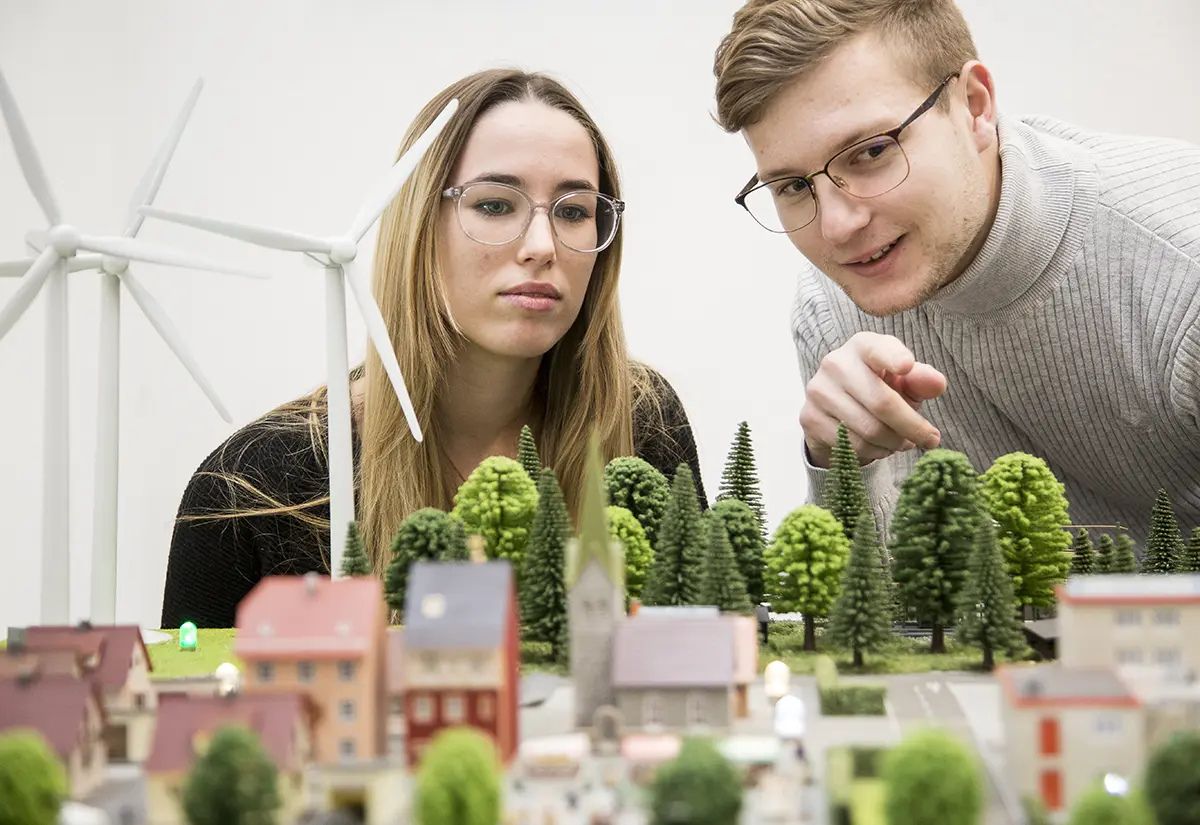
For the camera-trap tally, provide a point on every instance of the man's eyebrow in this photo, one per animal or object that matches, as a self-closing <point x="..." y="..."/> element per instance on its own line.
<point x="569" y="185"/>
<point x="845" y="142"/>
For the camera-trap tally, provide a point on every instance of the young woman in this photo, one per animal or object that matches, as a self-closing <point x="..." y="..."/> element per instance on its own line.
<point x="496" y="269"/>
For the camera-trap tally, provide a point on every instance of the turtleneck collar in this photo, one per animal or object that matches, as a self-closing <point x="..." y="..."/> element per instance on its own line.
<point x="1048" y="195"/>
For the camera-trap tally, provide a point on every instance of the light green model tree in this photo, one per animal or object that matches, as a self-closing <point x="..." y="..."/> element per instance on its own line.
<point x="543" y="596"/>
<point x="1096" y="806"/>
<point x="1172" y="783"/>
<point x="498" y="501"/>
<point x="1083" y="555"/>
<point x="458" y="782"/>
<point x="428" y="534"/>
<point x="1189" y="562"/>
<point x="861" y="619"/>
<point x="697" y="787"/>
<point x="527" y="453"/>
<point x="987" y="608"/>
<point x="1030" y="506"/>
<point x="724" y="586"/>
<point x="1105" y="557"/>
<point x="1124" y="554"/>
<point x="677" y="575"/>
<point x="354" y="559"/>
<point x="932" y="778"/>
<point x="1164" y="545"/>
<point x="33" y="782"/>
<point x="739" y="480"/>
<point x="934" y="527"/>
<point x="845" y="490"/>
<point x="805" y="562"/>
<point x="234" y="782"/>
<point x="639" y="556"/>
<point x="741" y="526"/>
<point x="633" y="483"/>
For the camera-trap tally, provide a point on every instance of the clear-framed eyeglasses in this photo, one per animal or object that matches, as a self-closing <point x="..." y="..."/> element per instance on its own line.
<point x="496" y="214"/>
<point x="867" y="169"/>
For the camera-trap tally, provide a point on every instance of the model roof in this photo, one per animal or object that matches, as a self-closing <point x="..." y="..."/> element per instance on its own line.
<point x="1054" y="684"/>
<point x="673" y="653"/>
<point x="309" y="616"/>
<point x="53" y="705"/>
<point x="594" y="540"/>
<point x="1131" y="588"/>
<point x="114" y="644"/>
<point x="452" y="604"/>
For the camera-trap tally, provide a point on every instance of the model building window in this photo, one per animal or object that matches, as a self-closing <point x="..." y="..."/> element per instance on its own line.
<point x="484" y="707"/>
<point x="139" y="701"/>
<point x="305" y="671"/>
<point x="652" y="709"/>
<point x="1049" y="737"/>
<point x="452" y="708"/>
<point x="1129" y="617"/>
<point x="346" y="671"/>
<point x="1129" y="656"/>
<point x="696" y="709"/>
<point x="1166" y="616"/>
<point x="1167" y="656"/>
<point x="477" y="662"/>
<point x="266" y="671"/>
<point x="422" y="709"/>
<point x="346" y="710"/>
<point x="346" y="749"/>
<point x="1108" y="723"/>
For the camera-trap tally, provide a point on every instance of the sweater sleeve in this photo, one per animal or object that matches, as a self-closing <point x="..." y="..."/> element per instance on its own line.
<point x="1184" y="381"/>
<point x="669" y="442"/>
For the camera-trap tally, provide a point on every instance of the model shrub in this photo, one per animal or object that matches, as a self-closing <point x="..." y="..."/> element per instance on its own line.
<point x="1164" y="545"/>
<point x="845" y="490"/>
<point x="1124" y="554"/>
<point x="233" y="782"/>
<point x="805" y="562"/>
<point x="458" y="782"/>
<point x="839" y="699"/>
<point x="543" y="595"/>
<point x="33" y="782"/>
<point x="1172" y="781"/>
<point x="932" y="778"/>
<point x="1096" y="806"/>
<point x="639" y="556"/>
<point x="428" y="534"/>
<point x="987" y="608"/>
<point x="633" y="483"/>
<point x="354" y="559"/>
<point x="527" y="453"/>
<point x="1105" y="555"/>
<point x="861" y="619"/>
<point x="724" y="586"/>
<point x="697" y="787"/>
<point x="498" y="501"/>
<point x="1083" y="555"/>
<point x="1189" y="562"/>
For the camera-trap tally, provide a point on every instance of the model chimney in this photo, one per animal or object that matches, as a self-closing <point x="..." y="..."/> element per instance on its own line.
<point x="475" y="547"/>
<point x="310" y="583"/>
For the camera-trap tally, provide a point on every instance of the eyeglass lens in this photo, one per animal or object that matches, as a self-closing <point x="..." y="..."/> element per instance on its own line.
<point x="496" y="214"/>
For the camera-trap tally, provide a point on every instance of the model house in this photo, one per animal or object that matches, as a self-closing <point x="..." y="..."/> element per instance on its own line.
<point x="395" y="683"/>
<point x="326" y="639"/>
<point x="461" y="653"/>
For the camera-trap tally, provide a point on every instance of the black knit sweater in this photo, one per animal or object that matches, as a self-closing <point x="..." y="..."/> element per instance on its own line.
<point x="215" y="562"/>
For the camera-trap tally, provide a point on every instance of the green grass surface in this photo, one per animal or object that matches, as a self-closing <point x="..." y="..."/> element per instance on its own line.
<point x="866" y="802"/>
<point x="213" y="647"/>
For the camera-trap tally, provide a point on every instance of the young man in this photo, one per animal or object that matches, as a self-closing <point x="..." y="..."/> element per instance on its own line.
<point x="976" y="281"/>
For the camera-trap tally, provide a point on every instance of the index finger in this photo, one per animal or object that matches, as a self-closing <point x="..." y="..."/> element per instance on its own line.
<point x="884" y="353"/>
<point x="893" y="410"/>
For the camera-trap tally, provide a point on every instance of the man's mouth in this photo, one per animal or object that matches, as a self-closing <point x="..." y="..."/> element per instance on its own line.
<point x="877" y="254"/>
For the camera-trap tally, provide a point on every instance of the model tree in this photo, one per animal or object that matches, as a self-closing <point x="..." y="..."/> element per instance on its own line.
<point x="639" y="556"/>
<point x="1104" y="555"/>
<point x="987" y="609"/>
<point x="428" y="534"/>
<point x="805" y="562"/>
<point x="724" y="586"/>
<point x="1097" y="806"/>
<point x="934" y="527"/>
<point x="1083" y="555"/>
<point x="543" y="596"/>
<point x="1124" y="554"/>
<point x="637" y="486"/>
<point x="354" y="559"/>
<point x="845" y="490"/>
<point x="742" y="528"/>
<point x="740" y="478"/>
<point x="697" y="787"/>
<point x="1164" y="546"/>
<point x="932" y="777"/>
<point x="1189" y="562"/>
<point x="234" y="782"/>
<point x="1030" y="506"/>
<point x="498" y="501"/>
<point x="861" y="619"/>
<point x="677" y="575"/>
<point x="458" y="782"/>
<point x="527" y="453"/>
<point x="33" y="783"/>
<point x="1172" y="783"/>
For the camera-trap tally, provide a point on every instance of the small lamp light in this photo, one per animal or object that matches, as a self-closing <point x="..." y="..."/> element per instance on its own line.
<point x="187" y="636"/>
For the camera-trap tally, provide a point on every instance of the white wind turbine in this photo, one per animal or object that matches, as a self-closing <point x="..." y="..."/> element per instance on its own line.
<point x="57" y="256"/>
<point x="337" y="255"/>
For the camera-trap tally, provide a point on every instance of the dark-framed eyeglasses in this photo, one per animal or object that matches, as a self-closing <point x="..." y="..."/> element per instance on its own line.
<point x="867" y="169"/>
<point x="496" y="214"/>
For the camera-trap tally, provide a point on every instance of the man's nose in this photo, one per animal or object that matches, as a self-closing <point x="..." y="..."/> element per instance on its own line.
<point x="840" y="214"/>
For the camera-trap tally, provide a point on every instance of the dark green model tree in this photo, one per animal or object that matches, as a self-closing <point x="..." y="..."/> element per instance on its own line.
<point x="845" y="490"/>
<point x="1124" y="554"/>
<point x="697" y="787"/>
<point x="1030" y="506"/>
<point x="1096" y="806"/>
<point x="354" y="559"/>
<point x="932" y="778"/>
<point x="741" y="525"/>
<point x="677" y="575"/>
<point x="234" y="782"/>
<point x="527" y="454"/>
<point x="639" y="556"/>
<point x="428" y="534"/>
<point x="33" y="782"/>
<point x="1105" y="556"/>
<point x="724" y="586"/>
<point x="498" y="501"/>
<point x="633" y="483"/>
<point x="934" y="527"/>
<point x="1083" y="555"/>
<point x="805" y="561"/>
<point x="1164" y="545"/>
<point x="861" y="619"/>
<point x="458" y="782"/>
<point x="1172" y="783"/>
<point x="1189" y="562"/>
<point x="543" y="596"/>
<point x="739" y="480"/>
<point x="987" y="609"/>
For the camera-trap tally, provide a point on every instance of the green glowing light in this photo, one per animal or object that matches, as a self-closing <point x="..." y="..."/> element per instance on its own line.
<point x="187" y="636"/>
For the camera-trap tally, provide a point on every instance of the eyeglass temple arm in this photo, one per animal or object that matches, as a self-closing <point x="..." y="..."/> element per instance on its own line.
<point x="740" y="198"/>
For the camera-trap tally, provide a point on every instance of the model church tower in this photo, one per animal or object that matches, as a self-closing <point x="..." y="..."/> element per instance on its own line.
<point x="595" y="580"/>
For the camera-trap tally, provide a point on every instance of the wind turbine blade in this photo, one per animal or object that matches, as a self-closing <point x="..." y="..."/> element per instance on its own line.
<point x="159" y="319"/>
<point x="31" y="284"/>
<point x="82" y="263"/>
<point x="134" y="249"/>
<point x="37" y="239"/>
<point x="31" y="165"/>
<point x="387" y="190"/>
<point x="147" y="189"/>
<point x="15" y="269"/>
<point x="257" y="235"/>
<point x="378" y="333"/>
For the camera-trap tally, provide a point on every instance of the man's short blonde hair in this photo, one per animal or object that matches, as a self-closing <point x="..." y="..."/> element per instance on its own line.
<point x="774" y="42"/>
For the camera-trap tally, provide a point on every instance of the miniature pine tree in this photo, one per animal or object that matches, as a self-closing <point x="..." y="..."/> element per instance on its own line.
<point x="987" y="608"/>
<point x="234" y="782"/>
<point x="427" y="534"/>
<point x="498" y="501"/>
<point x="1189" y="562"/>
<point x="845" y="490"/>
<point x="33" y="783"/>
<point x="633" y="483"/>
<point x="527" y="454"/>
<point x="724" y="586"/>
<point x="543" y="596"/>
<point x="1164" y="546"/>
<point x="1030" y="505"/>
<point x="1083" y="556"/>
<point x="677" y="576"/>
<point x="1104" y="555"/>
<point x="805" y="561"/>
<point x="933" y="531"/>
<point x="1124" y="554"/>
<point x="861" y="619"/>
<point x="740" y="478"/>
<point x="639" y="556"/>
<point x="741" y="525"/>
<point x="354" y="559"/>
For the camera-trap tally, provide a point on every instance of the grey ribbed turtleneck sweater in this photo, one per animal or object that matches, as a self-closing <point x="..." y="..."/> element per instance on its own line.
<point x="1073" y="336"/>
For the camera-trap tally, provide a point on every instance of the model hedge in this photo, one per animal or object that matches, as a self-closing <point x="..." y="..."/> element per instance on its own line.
<point x="739" y="480"/>
<point x="498" y="502"/>
<point x="677" y="575"/>
<point x="861" y="619"/>
<point x="639" y="556"/>
<point x="458" y="782"/>
<point x="698" y="787"/>
<point x="1164" y="545"/>
<point x="428" y="534"/>
<point x="633" y="483"/>
<point x="987" y="615"/>
<point x="543" y="596"/>
<point x="741" y="526"/>
<point x="233" y="782"/>
<point x="1097" y="806"/>
<point x="33" y="783"/>
<point x="724" y="586"/>
<point x="805" y="562"/>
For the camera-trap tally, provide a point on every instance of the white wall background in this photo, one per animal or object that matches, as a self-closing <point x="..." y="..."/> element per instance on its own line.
<point x="304" y="105"/>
